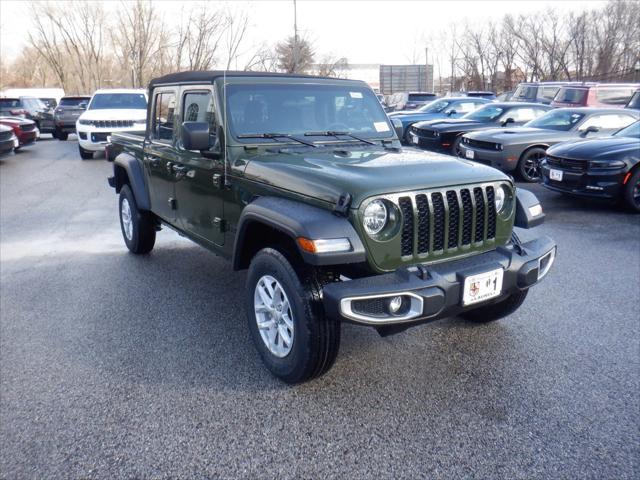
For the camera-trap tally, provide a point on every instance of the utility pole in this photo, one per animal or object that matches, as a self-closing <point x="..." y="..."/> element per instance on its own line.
<point x="295" y="36"/>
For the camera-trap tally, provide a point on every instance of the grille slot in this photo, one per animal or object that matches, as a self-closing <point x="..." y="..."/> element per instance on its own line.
<point x="481" y="144"/>
<point x="423" y="223"/>
<point x="467" y="216"/>
<point x="567" y="163"/>
<point x="438" y="221"/>
<point x="454" y="219"/>
<point x="491" y="217"/>
<point x="479" y="197"/>
<point x="407" y="225"/>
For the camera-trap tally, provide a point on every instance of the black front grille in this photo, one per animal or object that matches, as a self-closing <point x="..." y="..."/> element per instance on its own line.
<point x="374" y="307"/>
<point x="100" y="136"/>
<point x="482" y="145"/>
<point x="567" y="164"/>
<point x="448" y="220"/>
<point x="5" y="135"/>
<point x="424" y="132"/>
<point x="112" y="123"/>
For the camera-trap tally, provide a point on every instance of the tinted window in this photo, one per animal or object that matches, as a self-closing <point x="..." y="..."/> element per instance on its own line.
<point x="486" y="113"/>
<point x="524" y="114"/>
<point x="33" y="103"/>
<point x="298" y="109"/>
<point x="101" y="101"/>
<point x="73" y="101"/>
<point x="525" y="91"/>
<point x="466" y="107"/>
<point x="163" y="113"/>
<point x="556" y="120"/>
<point x="435" y="107"/>
<point x="420" y="97"/>
<point x="9" y="103"/>
<point x="198" y="107"/>
<point x="548" y="93"/>
<point x="571" y="95"/>
<point x="609" y="121"/>
<point x="632" y="130"/>
<point x="614" y="96"/>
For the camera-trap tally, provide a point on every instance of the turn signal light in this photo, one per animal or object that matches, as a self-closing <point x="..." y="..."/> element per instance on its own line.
<point x="324" y="245"/>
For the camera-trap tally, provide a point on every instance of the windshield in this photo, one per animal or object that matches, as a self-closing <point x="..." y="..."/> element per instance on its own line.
<point x="420" y="97"/>
<point x="436" y="106"/>
<point x="73" y="101"/>
<point x="632" y="130"/>
<point x="563" y="120"/>
<point x="525" y="91"/>
<point x="299" y="109"/>
<point x="487" y="113"/>
<point x="9" y="102"/>
<point x="101" y="101"/>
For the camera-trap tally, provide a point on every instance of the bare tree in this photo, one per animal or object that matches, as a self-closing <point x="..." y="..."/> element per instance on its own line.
<point x="331" y="66"/>
<point x="265" y="59"/>
<point x="295" y="55"/>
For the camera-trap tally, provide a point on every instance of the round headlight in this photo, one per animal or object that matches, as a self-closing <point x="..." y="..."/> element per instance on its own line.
<point x="501" y="196"/>
<point x="375" y="217"/>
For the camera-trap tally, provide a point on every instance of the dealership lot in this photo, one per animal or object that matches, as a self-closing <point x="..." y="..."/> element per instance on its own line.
<point x="119" y="366"/>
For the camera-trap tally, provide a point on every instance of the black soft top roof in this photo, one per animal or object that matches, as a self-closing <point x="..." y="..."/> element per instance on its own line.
<point x="209" y="76"/>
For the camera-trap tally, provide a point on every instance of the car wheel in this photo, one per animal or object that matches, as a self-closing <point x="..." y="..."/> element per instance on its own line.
<point x="496" y="311"/>
<point x="632" y="192"/>
<point x="529" y="164"/>
<point x="455" y="148"/>
<point x="138" y="227"/>
<point x="61" y="135"/>
<point x="286" y="319"/>
<point x="85" y="154"/>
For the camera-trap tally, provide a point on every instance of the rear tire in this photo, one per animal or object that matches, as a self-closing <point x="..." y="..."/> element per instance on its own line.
<point x="496" y="311"/>
<point x="85" y="154"/>
<point x="455" y="148"/>
<point x="61" y="135"/>
<point x="282" y="301"/>
<point x="631" y="192"/>
<point x="529" y="165"/>
<point x="138" y="227"/>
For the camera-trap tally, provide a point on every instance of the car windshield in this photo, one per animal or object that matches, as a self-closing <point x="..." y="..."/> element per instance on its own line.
<point x="563" y="120"/>
<point x="9" y="103"/>
<point x="436" y="106"/>
<point x="420" y="97"/>
<point x="73" y="101"/>
<point x="525" y="91"/>
<point x="632" y="130"/>
<point x="486" y="113"/>
<point x="298" y="109"/>
<point x="49" y="102"/>
<point x="101" y="101"/>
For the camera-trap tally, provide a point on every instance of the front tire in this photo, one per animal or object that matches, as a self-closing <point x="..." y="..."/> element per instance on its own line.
<point x="496" y="311"/>
<point x="631" y="192"/>
<point x="85" y="154"/>
<point x="529" y="164"/>
<point x="286" y="319"/>
<point x="61" y="135"/>
<point x="138" y="227"/>
<point x="455" y="148"/>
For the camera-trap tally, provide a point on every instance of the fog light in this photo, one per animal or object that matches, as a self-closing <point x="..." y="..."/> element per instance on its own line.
<point x="395" y="304"/>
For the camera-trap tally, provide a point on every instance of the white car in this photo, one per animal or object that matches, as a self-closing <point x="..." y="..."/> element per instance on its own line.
<point x="110" y="110"/>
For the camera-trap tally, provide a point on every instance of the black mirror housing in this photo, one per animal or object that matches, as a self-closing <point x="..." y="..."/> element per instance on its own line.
<point x="195" y="135"/>
<point x="451" y="112"/>
<point x="507" y="121"/>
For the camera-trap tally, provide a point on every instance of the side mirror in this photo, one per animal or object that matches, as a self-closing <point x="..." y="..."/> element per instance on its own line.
<point x="507" y="121"/>
<point x="195" y="135"/>
<point x="82" y="105"/>
<point x="588" y="130"/>
<point x="451" y="113"/>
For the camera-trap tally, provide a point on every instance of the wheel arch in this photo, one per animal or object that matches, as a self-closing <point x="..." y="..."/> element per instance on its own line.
<point x="128" y="170"/>
<point x="544" y="146"/>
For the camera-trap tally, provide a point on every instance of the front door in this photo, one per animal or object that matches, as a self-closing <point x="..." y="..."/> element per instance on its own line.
<point x="199" y="186"/>
<point x="160" y="156"/>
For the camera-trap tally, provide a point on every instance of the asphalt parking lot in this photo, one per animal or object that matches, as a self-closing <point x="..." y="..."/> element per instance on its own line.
<point x="116" y="366"/>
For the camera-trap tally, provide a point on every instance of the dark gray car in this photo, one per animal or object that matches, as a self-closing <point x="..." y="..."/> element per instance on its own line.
<point x="522" y="148"/>
<point x="66" y="114"/>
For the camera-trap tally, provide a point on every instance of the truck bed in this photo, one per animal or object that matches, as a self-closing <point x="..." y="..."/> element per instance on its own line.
<point x="132" y="142"/>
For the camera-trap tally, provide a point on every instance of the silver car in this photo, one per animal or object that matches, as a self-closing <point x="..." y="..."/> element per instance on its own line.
<point x="520" y="149"/>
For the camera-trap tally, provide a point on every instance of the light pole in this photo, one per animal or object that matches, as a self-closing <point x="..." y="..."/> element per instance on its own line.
<point x="295" y="36"/>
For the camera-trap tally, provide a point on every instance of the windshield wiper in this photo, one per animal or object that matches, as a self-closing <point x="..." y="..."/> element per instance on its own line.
<point x="275" y="136"/>
<point x="331" y="133"/>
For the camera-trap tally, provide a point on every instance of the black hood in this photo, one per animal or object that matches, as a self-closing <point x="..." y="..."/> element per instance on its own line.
<point x="453" y="125"/>
<point x="612" y="148"/>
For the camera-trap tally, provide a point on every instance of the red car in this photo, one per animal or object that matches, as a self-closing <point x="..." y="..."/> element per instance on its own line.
<point x="24" y="129"/>
<point x="605" y="95"/>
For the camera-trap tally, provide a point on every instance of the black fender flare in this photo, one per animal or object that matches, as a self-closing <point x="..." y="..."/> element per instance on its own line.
<point x="134" y="171"/>
<point x="525" y="217"/>
<point x="297" y="219"/>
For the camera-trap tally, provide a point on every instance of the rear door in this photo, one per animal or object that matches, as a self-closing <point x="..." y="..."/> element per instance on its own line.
<point x="199" y="186"/>
<point x="160" y="154"/>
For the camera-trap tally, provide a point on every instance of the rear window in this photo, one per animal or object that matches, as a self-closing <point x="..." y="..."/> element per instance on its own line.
<point x="614" y="96"/>
<point x="9" y="102"/>
<point x="548" y="93"/>
<point x="571" y="95"/>
<point x="420" y="97"/>
<point x="73" y="101"/>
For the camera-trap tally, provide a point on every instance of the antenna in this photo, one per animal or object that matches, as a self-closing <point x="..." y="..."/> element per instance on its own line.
<point x="224" y="129"/>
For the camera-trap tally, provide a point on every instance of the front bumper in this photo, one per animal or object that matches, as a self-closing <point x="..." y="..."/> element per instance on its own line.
<point x="596" y="183"/>
<point x="502" y="160"/>
<point x="26" y="138"/>
<point x="66" y="126"/>
<point x="435" y="291"/>
<point x="95" y="139"/>
<point x="426" y="143"/>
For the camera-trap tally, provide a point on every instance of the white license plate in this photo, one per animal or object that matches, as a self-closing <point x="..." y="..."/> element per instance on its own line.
<point x="414" y="139"/>
<point x="555" y="175"/>
<point x="481" y="287"/>
<point x="469" y="154"/>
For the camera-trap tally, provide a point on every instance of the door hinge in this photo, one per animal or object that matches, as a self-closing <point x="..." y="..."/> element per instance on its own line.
<point x="220" y="224"/>
<point x="172" y="203"/>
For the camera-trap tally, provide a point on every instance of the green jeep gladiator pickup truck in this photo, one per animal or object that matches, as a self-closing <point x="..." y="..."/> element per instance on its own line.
<point x="302" y="181"/>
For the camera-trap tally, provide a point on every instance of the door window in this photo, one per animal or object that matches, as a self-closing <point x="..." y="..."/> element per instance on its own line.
<point x="163" y="116"/>
<point x="524" y="114"/>
<point x="607" y="122"/>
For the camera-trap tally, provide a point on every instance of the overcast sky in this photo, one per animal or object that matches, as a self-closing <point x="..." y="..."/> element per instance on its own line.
<point x="362" y="31"/>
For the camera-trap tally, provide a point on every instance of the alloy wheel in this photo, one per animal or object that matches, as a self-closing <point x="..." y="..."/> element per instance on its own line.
<point x="273" y="316"/>
<point x="127" y="222"/>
